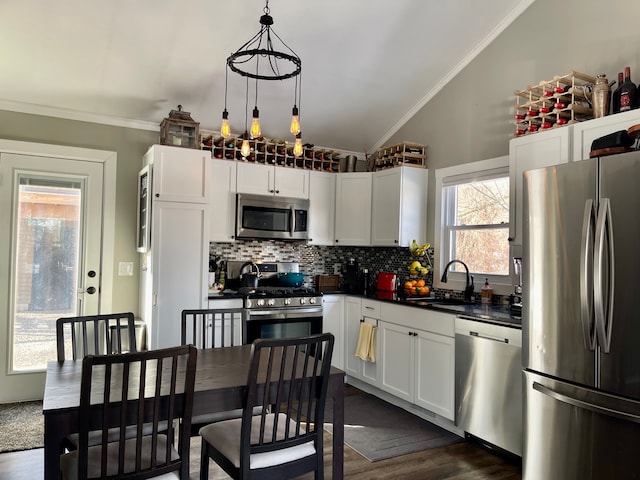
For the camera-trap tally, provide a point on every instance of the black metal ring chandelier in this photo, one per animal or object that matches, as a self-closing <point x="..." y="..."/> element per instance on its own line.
<point x="246" y="62"/>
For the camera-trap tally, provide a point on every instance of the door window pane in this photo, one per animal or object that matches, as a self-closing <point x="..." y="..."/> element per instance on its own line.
<point x="46" y="269"/>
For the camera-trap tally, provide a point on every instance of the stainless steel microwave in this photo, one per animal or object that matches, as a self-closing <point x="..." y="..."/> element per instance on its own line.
<point x="266" y="216"/>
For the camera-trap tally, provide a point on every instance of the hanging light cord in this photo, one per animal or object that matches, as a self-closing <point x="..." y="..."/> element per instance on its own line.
<point x="226" y="78"/>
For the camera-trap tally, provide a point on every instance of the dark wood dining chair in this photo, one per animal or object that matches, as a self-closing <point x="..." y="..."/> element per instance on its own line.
<point x="130" y="392"/>
<point x="291" y="375"/>
<point x="212" y="328"/>
<point x="95" y="334"/>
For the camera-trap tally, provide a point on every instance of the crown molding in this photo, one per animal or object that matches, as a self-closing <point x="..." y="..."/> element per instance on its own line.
<point x="33" y="109"/>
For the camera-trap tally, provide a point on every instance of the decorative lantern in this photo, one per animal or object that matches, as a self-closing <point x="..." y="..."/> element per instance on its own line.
<point x="179" y="130"/>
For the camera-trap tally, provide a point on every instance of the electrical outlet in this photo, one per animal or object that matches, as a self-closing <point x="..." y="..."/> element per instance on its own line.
<point x="336" y="269"/>
<point x="125" y="269"/>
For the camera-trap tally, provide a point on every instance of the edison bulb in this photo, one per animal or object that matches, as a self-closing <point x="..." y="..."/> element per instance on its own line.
<point x="225" y="129"/>
<point x="255" y="124"/>
<point x="295" y="121"/>
<point x="245" y="150"/>
<point x="297" y="147"/>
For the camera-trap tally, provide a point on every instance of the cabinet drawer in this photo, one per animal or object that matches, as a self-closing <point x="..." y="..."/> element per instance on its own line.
<point x="419" y="318"/>
<point x="370" y="308"/>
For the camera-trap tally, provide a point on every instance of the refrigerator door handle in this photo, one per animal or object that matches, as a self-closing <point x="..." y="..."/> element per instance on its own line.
<point x="604" y="281"/>
<point x="586" y="275"/>
<point x="586" y="405"/>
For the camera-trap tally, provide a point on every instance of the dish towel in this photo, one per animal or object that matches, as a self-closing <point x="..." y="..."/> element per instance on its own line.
<point x="366" y="349"/>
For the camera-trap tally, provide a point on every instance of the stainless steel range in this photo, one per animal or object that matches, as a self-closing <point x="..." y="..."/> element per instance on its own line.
<point x="277" y="311"/>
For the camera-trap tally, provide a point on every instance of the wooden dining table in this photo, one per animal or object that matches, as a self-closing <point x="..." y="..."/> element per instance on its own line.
<point x="220" y="386"/>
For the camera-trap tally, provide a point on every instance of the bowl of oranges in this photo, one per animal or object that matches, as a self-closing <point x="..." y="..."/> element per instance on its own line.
<point x="416" y="288"/>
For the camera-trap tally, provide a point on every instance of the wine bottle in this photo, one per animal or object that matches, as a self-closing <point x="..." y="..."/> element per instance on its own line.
<point x="628" y="92"/>
<point x="615" y="96"/>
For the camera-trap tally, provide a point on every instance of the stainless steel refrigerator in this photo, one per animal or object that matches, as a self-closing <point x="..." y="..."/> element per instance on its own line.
<point x="581" y="320"/>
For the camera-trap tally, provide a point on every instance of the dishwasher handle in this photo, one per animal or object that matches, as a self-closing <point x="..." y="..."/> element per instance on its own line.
<point x="489" y="337"/>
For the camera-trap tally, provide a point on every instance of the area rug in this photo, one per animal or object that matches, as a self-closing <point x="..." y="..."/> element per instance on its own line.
<point x="378" y="430"/>
<point x="21" y="426"/>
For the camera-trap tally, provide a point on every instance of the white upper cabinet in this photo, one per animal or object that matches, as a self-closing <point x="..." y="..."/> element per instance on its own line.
<point x="552" y="147"/>
<point x="585" y="133"/>
<point x="353" y="209"/>
<point x="223" y="200"/>
<point x="322" y="207"/>
<point x="399" y="204"/>
<point x="179" y="174"/>
<point x="262" y="179"/>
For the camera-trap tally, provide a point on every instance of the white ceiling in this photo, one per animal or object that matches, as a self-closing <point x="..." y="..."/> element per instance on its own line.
<point x="367" y="65"/>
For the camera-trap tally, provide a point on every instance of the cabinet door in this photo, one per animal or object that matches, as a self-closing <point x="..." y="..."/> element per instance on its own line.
<point x="179" y="251"/>
<point x="179" y="174"/>
<point x="526" y="153"/>
<point x="385" y="207"/>
<point x="353" y="314"/>
<point x="353" y="209"/>
<point x="584" y="133"/>
<point x="434" y="374"/>
<point x="223" y="200"/>
<point x="396" y="362"/>
<point x="254" y="178"/>
<point x="333" y="322"/>
<point x="291" y="182"/>
<point x="322" y="208"/>
<point x="371" y="370"/>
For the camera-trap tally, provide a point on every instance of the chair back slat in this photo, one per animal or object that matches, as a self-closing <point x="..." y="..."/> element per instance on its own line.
<point x="95" y="334"/>
<point x="212" y="328"/>
<point x="291" y="377"/>
<point x="131" y="391"/>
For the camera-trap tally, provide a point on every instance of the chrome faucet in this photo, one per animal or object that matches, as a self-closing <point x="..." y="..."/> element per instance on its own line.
<point x="468" y="288"/>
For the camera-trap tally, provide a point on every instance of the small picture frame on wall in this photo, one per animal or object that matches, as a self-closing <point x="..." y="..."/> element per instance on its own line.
<point x="143" y="231"/>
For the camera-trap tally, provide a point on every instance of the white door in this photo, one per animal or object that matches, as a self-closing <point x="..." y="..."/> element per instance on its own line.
<point x="51" y="257"/>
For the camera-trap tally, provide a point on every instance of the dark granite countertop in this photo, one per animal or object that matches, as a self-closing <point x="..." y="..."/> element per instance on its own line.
<point x="497" y="314"/>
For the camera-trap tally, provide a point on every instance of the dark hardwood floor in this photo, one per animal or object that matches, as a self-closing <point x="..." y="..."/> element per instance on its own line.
<point x="461" y="461"/>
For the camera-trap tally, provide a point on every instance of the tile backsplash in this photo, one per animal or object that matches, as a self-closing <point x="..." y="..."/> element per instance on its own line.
<point x="322" y="260"/>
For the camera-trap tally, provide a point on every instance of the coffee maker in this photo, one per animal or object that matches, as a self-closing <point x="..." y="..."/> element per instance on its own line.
<point x="515" y="299"/>
<point x="352" y="282"/>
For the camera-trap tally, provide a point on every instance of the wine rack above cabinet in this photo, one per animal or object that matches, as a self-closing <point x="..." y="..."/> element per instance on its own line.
<point x="273" y="152"/>
<point x="564" y="100"/>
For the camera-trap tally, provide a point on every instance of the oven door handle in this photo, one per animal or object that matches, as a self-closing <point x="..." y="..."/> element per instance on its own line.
<point x="297" y="313"/>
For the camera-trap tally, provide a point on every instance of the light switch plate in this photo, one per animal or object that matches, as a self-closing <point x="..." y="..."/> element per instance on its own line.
<point x="125" y="269"/>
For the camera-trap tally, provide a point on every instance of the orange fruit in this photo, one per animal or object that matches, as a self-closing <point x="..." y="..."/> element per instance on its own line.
<point x="420" y="283"/>
<point x="407" y="285"/>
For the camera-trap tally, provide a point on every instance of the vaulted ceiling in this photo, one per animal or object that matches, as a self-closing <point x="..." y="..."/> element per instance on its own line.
<point x="367" y="65"/>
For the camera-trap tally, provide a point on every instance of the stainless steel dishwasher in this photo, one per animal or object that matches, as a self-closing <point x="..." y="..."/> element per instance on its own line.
<point x="488" y="373"/>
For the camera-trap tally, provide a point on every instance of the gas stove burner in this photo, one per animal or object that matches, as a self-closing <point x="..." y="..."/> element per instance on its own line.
<point x="277" y="292"/>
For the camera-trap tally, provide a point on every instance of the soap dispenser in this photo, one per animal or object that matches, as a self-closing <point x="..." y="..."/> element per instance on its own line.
<point x="486" y="292"/>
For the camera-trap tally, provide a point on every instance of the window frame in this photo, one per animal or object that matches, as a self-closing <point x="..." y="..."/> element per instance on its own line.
<point x="483" y="169"/>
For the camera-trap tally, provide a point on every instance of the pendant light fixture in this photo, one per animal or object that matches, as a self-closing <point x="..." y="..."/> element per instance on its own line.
<point x="264" y="57"/>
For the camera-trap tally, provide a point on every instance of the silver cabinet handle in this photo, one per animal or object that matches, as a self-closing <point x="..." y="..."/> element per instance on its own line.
<point x="586" y="275"/>
<point x="586" y="405"/>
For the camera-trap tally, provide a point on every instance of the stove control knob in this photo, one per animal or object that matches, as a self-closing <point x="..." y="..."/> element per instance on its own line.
<point x="303" y="301"/>
<point x="312" y="301"/>
<point x="287" y="301"/>
<point x="271" y="302"/>
<point x="261" y="302"/>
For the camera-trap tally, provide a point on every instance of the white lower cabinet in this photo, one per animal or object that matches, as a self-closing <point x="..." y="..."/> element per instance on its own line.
<point x="417" y="364"/>
<point x="360" y="310"/>
<point x="333" y="322"/>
